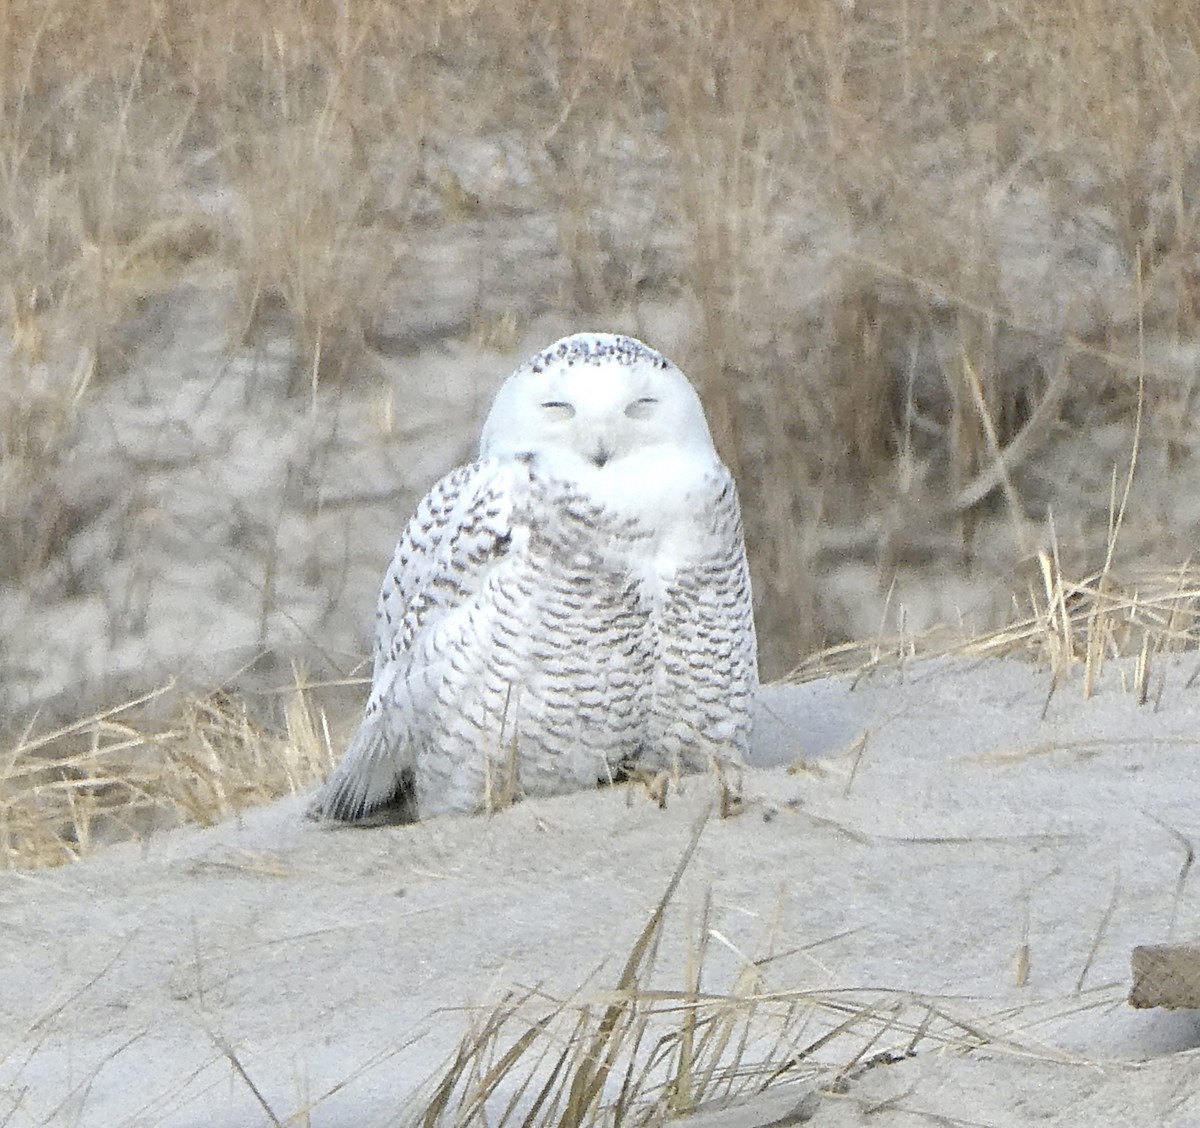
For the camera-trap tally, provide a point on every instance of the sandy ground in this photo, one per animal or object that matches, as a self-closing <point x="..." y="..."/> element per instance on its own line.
<point x="939" y="822"/>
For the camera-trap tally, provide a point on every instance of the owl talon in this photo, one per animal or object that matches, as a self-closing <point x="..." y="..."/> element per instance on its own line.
<point x="656" y="785"/>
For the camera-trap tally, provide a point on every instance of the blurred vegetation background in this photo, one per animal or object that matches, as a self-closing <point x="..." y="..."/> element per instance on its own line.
<point x="933" y="264"/>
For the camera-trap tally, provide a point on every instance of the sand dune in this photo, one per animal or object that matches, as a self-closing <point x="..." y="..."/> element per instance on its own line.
<point x="962" y="873"/>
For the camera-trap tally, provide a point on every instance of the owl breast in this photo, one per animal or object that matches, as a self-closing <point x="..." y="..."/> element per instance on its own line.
<point x="606" y="646"/>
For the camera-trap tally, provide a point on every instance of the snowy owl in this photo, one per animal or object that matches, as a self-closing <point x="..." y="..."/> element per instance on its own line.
<point x="572" y="606"/>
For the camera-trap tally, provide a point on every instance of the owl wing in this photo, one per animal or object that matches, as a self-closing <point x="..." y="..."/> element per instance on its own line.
<point x="462" y="530"/>
<point x="462" y="526"/>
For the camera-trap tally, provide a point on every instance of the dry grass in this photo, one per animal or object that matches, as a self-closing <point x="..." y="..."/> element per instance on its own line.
<point x="646" y="1054"/>
<point x="1070" y="626"/>
<point x="642" y="1054"/>
<point x="116" y="775"/>
<point x="855" y="203"/>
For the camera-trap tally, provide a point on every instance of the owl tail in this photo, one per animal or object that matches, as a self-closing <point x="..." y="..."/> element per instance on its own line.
<point x="373" y="784"/>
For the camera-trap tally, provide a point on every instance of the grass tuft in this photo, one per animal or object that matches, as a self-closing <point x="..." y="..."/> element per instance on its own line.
<point x="114" y="775"/>
<point x="639" y="1053"/>
<point x="1067" y="625"/>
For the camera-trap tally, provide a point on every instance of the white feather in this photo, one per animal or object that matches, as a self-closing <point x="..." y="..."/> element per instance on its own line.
<point x="575" y="602"/>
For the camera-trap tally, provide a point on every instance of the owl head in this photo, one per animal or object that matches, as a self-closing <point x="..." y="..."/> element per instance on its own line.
<point x="595" y="401"/>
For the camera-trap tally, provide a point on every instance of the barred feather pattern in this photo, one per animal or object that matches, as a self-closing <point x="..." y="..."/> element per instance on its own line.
<point x="571" y="606"/>
<point x="515" y="627"/>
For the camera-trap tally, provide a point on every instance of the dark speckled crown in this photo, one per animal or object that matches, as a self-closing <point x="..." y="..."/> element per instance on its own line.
<point x="591" y="348"/>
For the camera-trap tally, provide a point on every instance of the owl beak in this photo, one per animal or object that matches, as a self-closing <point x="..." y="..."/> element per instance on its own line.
<point x="601" y="456"/>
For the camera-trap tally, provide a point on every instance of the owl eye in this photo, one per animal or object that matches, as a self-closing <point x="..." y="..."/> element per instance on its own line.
<point x="641" y="408"/>
<point x="556" y="409"/>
